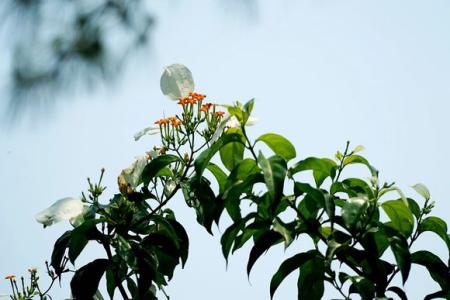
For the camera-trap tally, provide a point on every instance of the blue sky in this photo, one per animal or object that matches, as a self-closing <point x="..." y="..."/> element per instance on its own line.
<point x="323" y="72"/>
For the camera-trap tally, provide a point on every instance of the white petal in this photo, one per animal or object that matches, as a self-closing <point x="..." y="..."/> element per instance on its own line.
<point x="153" y="154"/>
<point x="132" y="174"/>
<point x="232" y="122"/>
<point x="252" y="121"/>
<point x="62" y="210"/>
<point x="149" y="130"/>
<point x="176" y="81"/>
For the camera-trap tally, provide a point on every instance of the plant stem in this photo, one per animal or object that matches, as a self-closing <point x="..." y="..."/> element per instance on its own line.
<point x="116" y="278"/>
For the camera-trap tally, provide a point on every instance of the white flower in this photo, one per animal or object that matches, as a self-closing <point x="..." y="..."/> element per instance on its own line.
<point x="230" y="121"/>
<point x="149" y="130"/>
<point x="176" y="81"/>
<point x="64" y="209"/>
<point x="131" y="176"/>
<point x="153" y="153"/>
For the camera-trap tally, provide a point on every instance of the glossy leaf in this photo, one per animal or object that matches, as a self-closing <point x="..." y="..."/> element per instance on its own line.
<point x="233" y="152"/>
<point x="84" y="283"/>
<point x="400" y="249"/>
<point x="156" y="165"/>
<point x="183" y="240"/>
<point x="287" y="267"/>
<point x="362" y="286"/>
<point x="59" y="249"/>
<point x="265" y="241"/>
<point x="353" y="209"/>
<point x="204" y="158"/>
<point x="247" y="111"/>
<point x="232" y="196"/>
<point x="437" y="269"/>
<point x="274" y="170"/>
<point x="321" y="167"/>
<point x="357" y="159"/>
<point x="422" y="190"/>
<point x="400" y="293"/>
<point x="80" y="237"/>
<point x="414" y="207"/>
<point x="311" y="280"/>
<point x="400" y="215"/>
<point x="287" y="233"/>
<point x="436" y="225"/>
<point x="279" y="145"/>
<point x="220" y="176"/>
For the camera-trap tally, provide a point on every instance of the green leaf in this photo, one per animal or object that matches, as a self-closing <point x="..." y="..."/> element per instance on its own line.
<point x="232" y="195"/>
<point x="364" y="287"/>
<point x="436" y="225"/>
<point x="358" y="186"/>
<point x="203" y="199"/>
<point x="204" y="158"/>
<point x="353" y="209"/>
<point x="229" y="236"/>
<point x="80" y="237"/>
<point x="357" y="159"/>
<point x="156" y="165"/>
<point x="240" y="172"/>
<point x="220" y="176"/>
<point x="400" y="249"/>
<point x="422" y="190"/>
<point x="279" y="145"/>
<point x="414" y="207"/>
<point x="438" y="294"/>
<point x="287" y="233"/>
<point x="287" y="267"/>
<point x="311" y="280"/>
<point x="400" y="293"/>
<point x="262" y="244"/>
<point x="321" y="167"/>
<point x="232" y="153"/>
<point x="84" y="283"/>
<point x="359" y="148"/>
<point x="183" y="240"/>
<point x="330" y="206"/>
<point x="274" y="170"/>
<point x="248" y="108"/>
<point x="400" y="215"/>
<point x="59" y="249"/>
<point x="437" y="269"/>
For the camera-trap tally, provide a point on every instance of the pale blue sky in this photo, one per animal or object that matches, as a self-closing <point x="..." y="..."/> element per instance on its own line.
<point x="376" y="73"/>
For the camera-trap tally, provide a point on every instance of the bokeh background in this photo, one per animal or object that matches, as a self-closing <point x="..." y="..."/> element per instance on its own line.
<point x="376" y="73"/>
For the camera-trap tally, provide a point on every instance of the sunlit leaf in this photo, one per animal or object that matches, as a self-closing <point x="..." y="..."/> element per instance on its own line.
<point x="321" y="167"/>
<point x="353" y="209"/>
<point x="436" y="225"/>
<point x="204" y="158"/>
<point x="400" y="215"/>
<point x="422" y="190"/>
<point x="233" y="152"/>
<point x="279" y="145"/>
<point x="357" y="159"/>
<point x="156" y="165"/>
<point x="274" y="170"/>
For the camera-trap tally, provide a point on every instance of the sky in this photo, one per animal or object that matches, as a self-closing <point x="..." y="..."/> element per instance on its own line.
<point x="322" y="72"/>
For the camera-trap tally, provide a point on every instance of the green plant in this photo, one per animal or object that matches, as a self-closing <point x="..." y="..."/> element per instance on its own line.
<point x="352" y="222"/>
